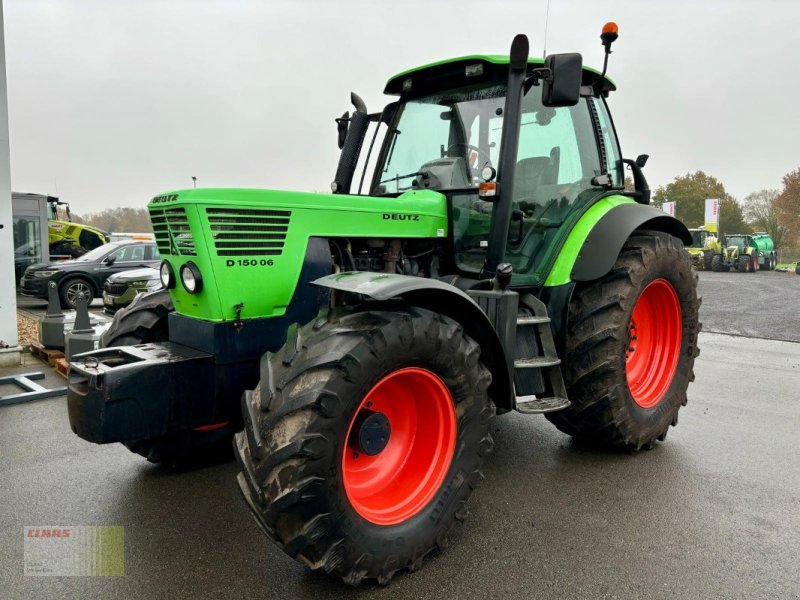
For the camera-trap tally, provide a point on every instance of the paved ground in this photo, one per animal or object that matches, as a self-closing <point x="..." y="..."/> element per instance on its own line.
<point x="712" y="513"/>
<point x="762" y="304"/>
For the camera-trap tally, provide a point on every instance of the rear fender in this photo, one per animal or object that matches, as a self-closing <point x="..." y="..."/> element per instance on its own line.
<point x="439" y="297"/>
<point x="606" y="239"/>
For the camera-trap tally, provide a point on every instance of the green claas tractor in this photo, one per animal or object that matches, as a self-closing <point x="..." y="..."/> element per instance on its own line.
<point x="704" y="246"/>
<point x="360" y="344"/>
<point x="746" y="253"/>
<point x="66" y="238"/>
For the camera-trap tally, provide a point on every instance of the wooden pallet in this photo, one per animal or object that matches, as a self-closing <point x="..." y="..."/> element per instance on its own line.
<point x="62" y="367"/>
<point x="46" y="354"/>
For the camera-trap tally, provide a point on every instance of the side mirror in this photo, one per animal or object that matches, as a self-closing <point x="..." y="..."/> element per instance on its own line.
<point x="110" y="259"/>
<point x="562" y="87"/>
<point x="341" y="127"/>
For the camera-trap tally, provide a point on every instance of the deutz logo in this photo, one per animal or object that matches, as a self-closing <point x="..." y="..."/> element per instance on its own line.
<point x="167" y="198"/>
<point x="399" y="217"/>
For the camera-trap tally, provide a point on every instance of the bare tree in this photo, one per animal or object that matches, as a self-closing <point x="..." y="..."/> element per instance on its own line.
<point x="761" y="212"/>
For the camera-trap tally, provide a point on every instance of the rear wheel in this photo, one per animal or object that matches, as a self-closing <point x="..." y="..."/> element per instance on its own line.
<point x="364" y="440"/>
<point x="631" y="345"/>
<point x="716" y="263"/>
<point x="145" y="320"/>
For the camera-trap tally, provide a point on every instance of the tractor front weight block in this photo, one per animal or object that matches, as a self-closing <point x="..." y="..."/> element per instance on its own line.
<point x="142" y="392"/>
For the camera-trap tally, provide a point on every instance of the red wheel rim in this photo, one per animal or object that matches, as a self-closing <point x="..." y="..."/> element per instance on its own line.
<point x="398" y="482"/>
<point x="654" y="345"/>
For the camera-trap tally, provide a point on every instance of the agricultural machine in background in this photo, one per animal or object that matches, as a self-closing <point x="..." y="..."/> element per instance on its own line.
<point x="69" y="239"/>
<point x="362" y="343"/>
<point x="705" y="244"/>
<point x="745" y="253"/>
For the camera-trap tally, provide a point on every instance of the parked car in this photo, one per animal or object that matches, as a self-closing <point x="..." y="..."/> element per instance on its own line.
<point x="120" y="289"/>
<point x="88" y="273"/>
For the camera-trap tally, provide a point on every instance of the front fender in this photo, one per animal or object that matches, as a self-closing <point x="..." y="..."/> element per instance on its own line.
<point x="439" y="297"/>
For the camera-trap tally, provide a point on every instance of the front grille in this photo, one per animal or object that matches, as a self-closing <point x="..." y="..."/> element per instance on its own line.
<point x="171" y="230"/>
<point x="116" y="289"/>
<point x="248" y="232"/>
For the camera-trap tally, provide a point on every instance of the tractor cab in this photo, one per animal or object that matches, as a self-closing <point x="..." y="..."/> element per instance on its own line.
<point x="698" y="238"/>
<point x="541" y="162"/>
<point x="738" y="243"/>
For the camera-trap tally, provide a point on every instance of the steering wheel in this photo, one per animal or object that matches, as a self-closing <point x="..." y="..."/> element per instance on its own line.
<point x="479" y="163"/>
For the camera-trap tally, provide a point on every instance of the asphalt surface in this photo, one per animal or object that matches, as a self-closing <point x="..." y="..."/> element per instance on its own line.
<point x="763" y="304"/>
<point x="712" y="513"/>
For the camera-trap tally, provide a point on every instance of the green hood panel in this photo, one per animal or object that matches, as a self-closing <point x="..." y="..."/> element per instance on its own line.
<point x="249" y="244"/>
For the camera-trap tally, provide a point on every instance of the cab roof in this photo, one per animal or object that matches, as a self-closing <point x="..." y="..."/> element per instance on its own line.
<point x="452" y="73"/>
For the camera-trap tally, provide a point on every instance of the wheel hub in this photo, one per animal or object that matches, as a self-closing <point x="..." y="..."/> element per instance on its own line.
<point x="373" y="431"/>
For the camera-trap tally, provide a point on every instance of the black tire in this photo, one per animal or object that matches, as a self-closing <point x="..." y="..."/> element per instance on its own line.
<point x="754" y="262"/>
<point x="743" y="264"/>
<point x="143" y="321"/>
<point x="146" y="320"/>
<point x="67" y="249"/>
<point x="70" y="288"/>
<point x="716" y="263"/>
<point x="294" y="438"/>
<point x="603" y="410"/>
<point x="708" y="259"/>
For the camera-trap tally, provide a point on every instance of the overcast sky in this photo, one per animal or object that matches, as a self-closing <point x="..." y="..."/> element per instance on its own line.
<point x="112" y="101"/>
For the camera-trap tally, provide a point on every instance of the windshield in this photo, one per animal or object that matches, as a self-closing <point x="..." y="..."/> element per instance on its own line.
<point x="698" y="239"/>
<point x="442" y="137"/>
<point x="737" y="240"/>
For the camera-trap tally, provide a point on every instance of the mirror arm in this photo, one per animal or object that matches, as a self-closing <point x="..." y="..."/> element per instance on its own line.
<point x="641" y="191"/>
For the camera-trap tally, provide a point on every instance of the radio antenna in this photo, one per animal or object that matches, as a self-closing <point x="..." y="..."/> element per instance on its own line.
<point x="546" y="22"/>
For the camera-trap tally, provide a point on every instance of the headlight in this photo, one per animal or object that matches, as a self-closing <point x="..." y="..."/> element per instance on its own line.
<point x="146" y="283"/>
<point x="44" y="273"/>
<point x="167" y="275"/>
<point x="191" y="278"/>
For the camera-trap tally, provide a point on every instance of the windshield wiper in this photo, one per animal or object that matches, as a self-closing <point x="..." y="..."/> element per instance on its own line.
<point x="398" y="177"/>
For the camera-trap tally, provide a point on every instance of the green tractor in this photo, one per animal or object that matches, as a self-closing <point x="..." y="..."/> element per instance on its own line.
<point x="705" y="244"/>
<point x="66" y="238"/>
<point x="746" y="253"/>
<point x="361" y="344"/>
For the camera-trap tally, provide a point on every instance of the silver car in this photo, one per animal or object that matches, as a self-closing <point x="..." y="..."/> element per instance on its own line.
<point x="120" y="289"/>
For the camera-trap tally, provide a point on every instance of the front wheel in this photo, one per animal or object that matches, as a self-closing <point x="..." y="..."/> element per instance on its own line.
<point x="743" y="264"/>
<point x="72" y="288"/>
<point x="364" y="440"/>
<point x="631" y="345"/>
